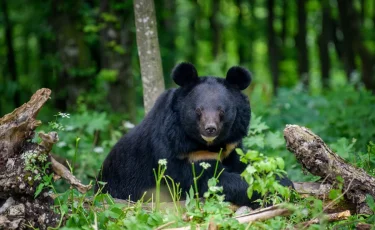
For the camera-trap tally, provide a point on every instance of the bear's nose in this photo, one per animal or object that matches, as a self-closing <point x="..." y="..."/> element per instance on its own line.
<point x="210" y="129"/>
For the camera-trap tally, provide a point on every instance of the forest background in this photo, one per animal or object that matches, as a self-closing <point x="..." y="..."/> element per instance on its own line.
<point x="313" y="64"/>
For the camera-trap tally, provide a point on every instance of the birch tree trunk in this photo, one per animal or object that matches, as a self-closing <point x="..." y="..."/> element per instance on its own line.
<point x="148" y="51"/>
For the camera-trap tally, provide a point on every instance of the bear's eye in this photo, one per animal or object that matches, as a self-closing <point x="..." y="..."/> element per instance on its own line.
<point x="221" y="113"/>
<point x="198" y="111"/>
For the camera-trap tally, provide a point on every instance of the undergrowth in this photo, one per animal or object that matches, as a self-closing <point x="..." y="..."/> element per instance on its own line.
<point x="344" y="118"/>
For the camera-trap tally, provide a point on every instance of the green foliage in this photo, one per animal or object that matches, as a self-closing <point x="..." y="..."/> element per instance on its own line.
<point x="261" y="174"/>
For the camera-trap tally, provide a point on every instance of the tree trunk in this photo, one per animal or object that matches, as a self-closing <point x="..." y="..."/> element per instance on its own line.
<point x="323" y="41"/>
<point x="336" y="41"/>
<point x="244" y="34"/>
<point x="122" y="90"/>
<point x="314" y="155"/>
<point x="11" y="63"/>
<point x="273" y="51"/>
<point x="350" y="24"/>
<point x="148" y="51"/>
<point x="215" y="28"/>
<point x="303" y="61"/>
<point x="284" y="20"/>
<point x="345" y="21"/>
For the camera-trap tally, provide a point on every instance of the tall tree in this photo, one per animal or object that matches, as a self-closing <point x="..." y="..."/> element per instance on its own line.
<point x="148" y="51"/>
<point x="273" y="50"/>
<point x="353" y="38"/>
<point x="348" y="54"/>
<point x="167" y="31"/>
<point x="303" y="61"/>
<point x="73" y="55"/>
<point x="284" y="18"/>
<point x="117" y="57"/>
<point x="215" y="28"/>
<point x="12" y="67"/>
<point x="245" y="30"/>
<point x="323" y="41"/>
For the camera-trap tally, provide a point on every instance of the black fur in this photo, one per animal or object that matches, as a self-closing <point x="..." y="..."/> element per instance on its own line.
<point x="170" y="129"/>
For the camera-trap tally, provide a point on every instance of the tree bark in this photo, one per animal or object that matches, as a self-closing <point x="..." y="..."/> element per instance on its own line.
<point x="314" y="155"/>
<point x="148" y="51"/>
<point x="323" y="41"/>
<point x="303" y="61"/>
<point x="273" y="51"/>
<point x="12" y="67"/>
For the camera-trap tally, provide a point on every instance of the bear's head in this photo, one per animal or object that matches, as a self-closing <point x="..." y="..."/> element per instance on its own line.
<point x="213" y="110"/>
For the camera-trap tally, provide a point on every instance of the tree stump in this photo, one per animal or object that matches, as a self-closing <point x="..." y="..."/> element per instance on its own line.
<point x="18" y="185"/>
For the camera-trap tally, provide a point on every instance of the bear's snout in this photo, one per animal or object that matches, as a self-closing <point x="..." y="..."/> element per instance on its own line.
<point x="211" y="129"/>
<point x="209" y="125"/>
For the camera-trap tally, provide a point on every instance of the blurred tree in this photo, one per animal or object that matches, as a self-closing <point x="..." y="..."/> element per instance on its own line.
<point x="76" y="73"/>
<point x="245" y="25"/>
<point x="11" y="63"/>
<point x="301" y="45"/>
<point x="353" y="38"/>
<point x="273" y="50"/>
<point x="148" y="51"/>
<point x="285" y="9"/>
<point x="215" y="28"/>
<point x="116" y="44"/>
<point x="167" y="31"/>
<point x="348" y="55"/>
<point x="323" y="41"/>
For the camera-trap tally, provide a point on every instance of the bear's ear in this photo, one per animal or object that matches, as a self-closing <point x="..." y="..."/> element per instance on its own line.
<point x="184" y="73"/>
<point x="239" y="77"/>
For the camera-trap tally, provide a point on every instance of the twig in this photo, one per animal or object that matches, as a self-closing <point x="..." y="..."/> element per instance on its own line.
<point x="62" y="171"/>
<point x="258" y="215"/>
<point x="264" y="214"/>
<point x="337" y="198"/>
<point x="330" y="217"/>
<point x="165" y="225"/>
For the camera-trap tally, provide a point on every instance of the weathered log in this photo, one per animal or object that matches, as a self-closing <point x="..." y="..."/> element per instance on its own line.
<point x="19" y="176"/>
<point x="314" y="155"/>
<point x="18" y="184"/>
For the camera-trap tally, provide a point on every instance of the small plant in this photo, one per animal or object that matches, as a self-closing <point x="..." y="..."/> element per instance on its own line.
<point x="175" y="191"/>
<point x="36" y="164"/>
<point x="162" y="166"/>
<point x="261" y="175"/>
<point x="55" y="125"/>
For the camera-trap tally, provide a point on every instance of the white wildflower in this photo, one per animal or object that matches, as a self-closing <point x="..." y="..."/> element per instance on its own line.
<point x="64" y="115"/>
<point x="98" y="149"/>
<point x="163" y="162"/>
<point x="128" y="125"/>
<point x="61" y="144"/>
<point x="205" y="165"/>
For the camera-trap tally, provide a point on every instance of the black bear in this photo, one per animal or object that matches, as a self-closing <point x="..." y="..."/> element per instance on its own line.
<point x="187" y="125"/>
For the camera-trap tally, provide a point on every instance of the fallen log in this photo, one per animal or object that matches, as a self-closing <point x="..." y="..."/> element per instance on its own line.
<point x="315" y="156"/>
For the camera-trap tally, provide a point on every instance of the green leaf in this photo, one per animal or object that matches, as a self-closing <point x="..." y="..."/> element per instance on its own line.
<point x="250" y="192"/>
<point x="274" y="140"/>
<point x="280" y="162"/>
<point x="39" y="189"/>
<point x="371" y="202"/>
